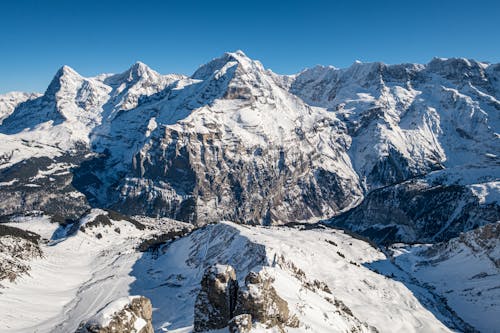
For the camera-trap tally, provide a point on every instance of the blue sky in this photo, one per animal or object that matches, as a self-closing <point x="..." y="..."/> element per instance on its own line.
<point x="38" y="37"/>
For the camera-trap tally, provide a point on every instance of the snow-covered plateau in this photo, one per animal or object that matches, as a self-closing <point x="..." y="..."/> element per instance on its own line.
<point x="363" y="199"/>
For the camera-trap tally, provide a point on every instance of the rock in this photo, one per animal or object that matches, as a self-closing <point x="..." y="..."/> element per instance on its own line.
<point x="417" y="211"/>
<point x="260" y="299"/>
<point x="125" y="315"/>
<point x="17" y="248"/>
<point x="215" y="303"/>
<point x="220" y="302"/>
<point x="240" y="324"/>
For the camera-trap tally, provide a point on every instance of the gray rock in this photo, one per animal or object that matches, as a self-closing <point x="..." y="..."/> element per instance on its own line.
<point x="416" y="211"/>
<point x="134" y="315"/>
<point x="240" y="324"/>
<point x="17" y="248"/>
<point x="215" y="303"/>
<point x="260" y="299"/>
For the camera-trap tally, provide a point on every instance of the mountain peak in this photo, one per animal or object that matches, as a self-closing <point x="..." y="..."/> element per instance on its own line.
<point x="238" y="54"/>
<point x="134" y="73"/>
<point x="238" y="57"/>
<point x="139" y="68"/>
<point x="65" y="72"/>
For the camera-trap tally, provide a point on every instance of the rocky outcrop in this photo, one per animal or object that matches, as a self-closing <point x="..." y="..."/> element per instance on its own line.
<point x="126" y="315"/>
<point x="417" y="211"/>
<point x="214" y="306"/>
<point x="221" y="303"/>
<point x="240" y="324"/>
<point x="17" y="248"/>
<point x="483" y="241"/>
<point x="259" y="298"/>
<point x="196" y="178"/>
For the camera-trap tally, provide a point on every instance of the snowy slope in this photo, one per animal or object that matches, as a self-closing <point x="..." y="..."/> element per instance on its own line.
<point x="465" y="271"/>
<point x="78" y="274"/>
<point x="9" y="102"/>
<point x="324" y="275"/>
<point x="399" y="153"/>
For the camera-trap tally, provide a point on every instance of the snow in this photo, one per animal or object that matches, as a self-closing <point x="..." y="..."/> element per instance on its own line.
<point x="139" y="324"/>
<point x="353" y="118"/>
<point x="76" y="275"/>
<point x="487" y="193"/>
<point x="9" y="101"/>
<point x="97" y="272"/>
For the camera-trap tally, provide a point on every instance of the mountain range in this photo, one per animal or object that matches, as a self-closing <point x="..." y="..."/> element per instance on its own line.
<point x="397" y="165"/>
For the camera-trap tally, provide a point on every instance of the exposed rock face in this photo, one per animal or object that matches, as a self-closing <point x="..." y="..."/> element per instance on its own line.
<point x="42" y="183"/>
<point x="484" y="241"/>
<point x="215" y="303"/>
<point x="416" y="211"/>
<point x="260" y="299"/>
<point x="221" y="303"/>
<point x="233" y="159"/>
<point x="17" y="248"/>
<point x="125" y="315"/>
<point x="194" y="176"/>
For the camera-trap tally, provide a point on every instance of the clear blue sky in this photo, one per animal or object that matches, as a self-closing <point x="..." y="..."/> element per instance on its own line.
<point x="37" y="37"/>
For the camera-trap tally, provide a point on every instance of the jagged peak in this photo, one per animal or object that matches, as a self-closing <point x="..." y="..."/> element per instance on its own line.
<point x="133" y="74"/>
<point x="63" y="72"/>
<point x="319" y="69"/>
<point x="237" y="55"/>
<point x="460" y="63"/>
<point x="453" y="60"/>
<point x="360" y="64"/>
<point x="457" y="69"/>
<point x="140" y="68"/>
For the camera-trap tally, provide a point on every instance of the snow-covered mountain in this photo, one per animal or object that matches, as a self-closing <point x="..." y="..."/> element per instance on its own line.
<point x="236" y="141"/>
<point x="10" y="101"/>
<point x="396" y="153"/>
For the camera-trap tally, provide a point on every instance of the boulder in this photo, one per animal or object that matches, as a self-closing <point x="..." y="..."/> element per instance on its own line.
<point x="125" y="315"/>
<point x="241" y="324"/>
<point x="215" y="303"/>
<point x="260" y="299"/>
